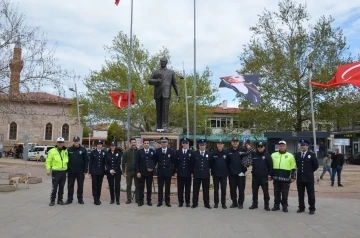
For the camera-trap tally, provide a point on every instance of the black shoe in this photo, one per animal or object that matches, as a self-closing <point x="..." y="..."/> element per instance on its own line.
<point x="234" y="205"/>
<point x="68" y="202"/>
<point x="275" y="208"/>
<point x="312" y="212"/>
<point x="140" y="204"/>
<point x="224" y="206"/>
<point x="340" y="185"/>
<point x="128" y="201"/>
<point x="60" y="202"/>
<point x="112" y="202"/>
<point x="194" y="206"/>
<point x="81" y="202"/>
<point x="159" y="204"/>
<point x="241" y="206"/>
<point x="253" y="207"/>
<point x="149" y="204"/>
<point x="168" y="204"/>
<point x="187" y="204"/>
<point x="208" y="206"/>
<point x="285" y="209"/>
<point x="51" y="204"/>
<point x="117" y="203"/>
<point x="320" y="177"/>
<point x="267" y="208"/>
<point x="300" y="210"/>
<point x="181" y="205"/>
<point x="216" y="206"/>
<point x="332" y="185"/>
<point x="99" y="202"/>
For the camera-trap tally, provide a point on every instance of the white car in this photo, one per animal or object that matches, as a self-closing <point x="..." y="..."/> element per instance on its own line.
<point x="39" y="153"/>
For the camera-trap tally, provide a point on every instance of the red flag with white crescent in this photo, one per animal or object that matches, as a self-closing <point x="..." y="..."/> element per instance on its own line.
<point x="345" y="74"/>
<point x="120" y="99"/>
<point x="117" y="2"/>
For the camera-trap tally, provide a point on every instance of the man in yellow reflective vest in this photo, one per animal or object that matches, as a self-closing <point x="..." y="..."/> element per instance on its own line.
<point x="56" y="164"/>
<point x="283" y="174"/>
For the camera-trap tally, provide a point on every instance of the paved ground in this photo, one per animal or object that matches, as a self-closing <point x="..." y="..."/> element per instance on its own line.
<point x="25" y="213"/>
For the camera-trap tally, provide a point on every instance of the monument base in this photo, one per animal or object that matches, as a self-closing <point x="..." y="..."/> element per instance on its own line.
<point x="174" y="143"/>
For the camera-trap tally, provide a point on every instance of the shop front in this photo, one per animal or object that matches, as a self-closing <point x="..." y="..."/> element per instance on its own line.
<point x="350" y="143"/>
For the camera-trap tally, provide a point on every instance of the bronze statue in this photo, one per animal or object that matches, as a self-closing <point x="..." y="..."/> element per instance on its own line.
<point x="162" y="79"/>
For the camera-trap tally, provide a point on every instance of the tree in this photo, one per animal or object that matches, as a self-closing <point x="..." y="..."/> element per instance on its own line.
<point x="115" y="132"/>
<point x="278" y="50"/>
<point x="86" y="131"/>
<point x="113" y="78"/>
<point x="40" y="66"/>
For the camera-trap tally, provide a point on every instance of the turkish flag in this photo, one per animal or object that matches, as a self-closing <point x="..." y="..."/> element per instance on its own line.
<point x="120" y="99"/>
<point x="117" y="2"/>
<point x="345" y="74"/>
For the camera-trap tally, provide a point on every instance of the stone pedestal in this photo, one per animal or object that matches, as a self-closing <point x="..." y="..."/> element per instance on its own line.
<point x="154" y="137"/>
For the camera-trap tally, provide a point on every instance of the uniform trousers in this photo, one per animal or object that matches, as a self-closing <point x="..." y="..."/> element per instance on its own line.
<point x="141" y="181"/>
<point x="161" y="181"/>
<point x="114" y="186"/>
<point x="281" y="193"/>
<point x="205" y="182"/>
<point x="237" y="183"/>
<point x="58" y="179"/>
<point x="220" y="182"/>
<point x="257" y="182"/>
<point x="184" y="183"/>
<point x="79" y="177"/>
<point x="96" y="184"/>
<point x="310" y="190"/>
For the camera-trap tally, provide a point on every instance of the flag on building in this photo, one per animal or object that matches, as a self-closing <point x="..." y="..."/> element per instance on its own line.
<point x="345" y="74"/>
<point x="243" y="84"/>
<point x="117" y="2"/>
<point x="120" y="99"/>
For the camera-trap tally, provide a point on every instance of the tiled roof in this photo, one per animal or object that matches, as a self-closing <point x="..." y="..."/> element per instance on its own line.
<point x="37" y="97"/>
<point x="221" y="110"/>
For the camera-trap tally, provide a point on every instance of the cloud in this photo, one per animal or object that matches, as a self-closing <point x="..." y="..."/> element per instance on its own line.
<point x="82" y="27"/>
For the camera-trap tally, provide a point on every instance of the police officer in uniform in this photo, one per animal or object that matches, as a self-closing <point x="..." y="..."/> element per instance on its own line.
<point x="113" y="172"/>
<point x="145" y="164"/>
<point x="237" y="170"/>
<point x="283" y="174"/>
<point x="183" y="170"/>
<point x="77" y="168"/>
<point x="201" y="164"/>
<point x="219" y="172"/>
<point x="165" y="160"/>
<point x="97" y="170"/>
<point x="307" y="164"/>
<point x="261" y="173"/>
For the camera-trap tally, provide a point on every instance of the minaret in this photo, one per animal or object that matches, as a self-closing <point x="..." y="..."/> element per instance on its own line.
<point x="16" y="66"/>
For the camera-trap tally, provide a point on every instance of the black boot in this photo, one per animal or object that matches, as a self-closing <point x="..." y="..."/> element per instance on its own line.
<point x="275" y="208"/>
<point x="234" y="205"/>
<point x="253" y="206"/>
<point x="266" y="207"/>
<point x="285" y="209"/>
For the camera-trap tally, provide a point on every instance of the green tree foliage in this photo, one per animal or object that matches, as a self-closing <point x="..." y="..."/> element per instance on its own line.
<point x="115" y="132"/>
<point x="278" y="50"/>
<point x="86" y="131"/>
<point x="113" y="77"/>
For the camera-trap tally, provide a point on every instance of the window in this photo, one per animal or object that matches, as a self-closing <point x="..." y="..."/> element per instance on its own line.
<point x="13" y="131"/>
<point x="65" y="132"/>
<point x="48" y="131"/>
<point x="220" y="122"/>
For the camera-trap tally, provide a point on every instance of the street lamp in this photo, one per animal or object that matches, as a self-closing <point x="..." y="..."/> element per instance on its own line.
<point x="78" y="111"/>
<point x="186" y="103"/>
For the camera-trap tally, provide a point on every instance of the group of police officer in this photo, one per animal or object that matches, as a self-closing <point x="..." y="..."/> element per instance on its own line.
<point x="190" y="168"/>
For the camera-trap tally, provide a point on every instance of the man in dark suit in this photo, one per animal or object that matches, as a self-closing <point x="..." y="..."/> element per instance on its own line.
<point x="162" y="79"/>
<point x="201" y="164"/>
<point x="307" y="164"/>
<point x="165" y="159"/>
<point x="183" y="172"/>
<point x="97" y="170"/>
<point x="145" y="164"/>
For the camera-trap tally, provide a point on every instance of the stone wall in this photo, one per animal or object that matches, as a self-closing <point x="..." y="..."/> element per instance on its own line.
<point x="31" y="120"/>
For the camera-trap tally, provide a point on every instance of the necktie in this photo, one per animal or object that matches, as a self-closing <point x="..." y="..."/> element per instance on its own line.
<point x="303" y="155"/>
<point x="164" y="151"/>
<point x="184" y="151"/>
<point x="202" y="153"/>
<point x="146" y="151"/>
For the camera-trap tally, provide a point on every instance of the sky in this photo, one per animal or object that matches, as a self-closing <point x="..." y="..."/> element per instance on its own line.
<point x="80" y="28"/>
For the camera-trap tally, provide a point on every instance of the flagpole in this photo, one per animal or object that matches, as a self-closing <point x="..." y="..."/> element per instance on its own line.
<point x="129" y="74"/>
<point x="186" y="104"/>
<point x="310" y="66"/>
<point x="194" y="130"/>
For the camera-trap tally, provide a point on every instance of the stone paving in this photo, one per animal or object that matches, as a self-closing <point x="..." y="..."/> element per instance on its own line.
<point x="25" y="213"/>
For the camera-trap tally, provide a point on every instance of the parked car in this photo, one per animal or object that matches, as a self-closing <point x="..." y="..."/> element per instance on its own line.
<point x="353" y="159"/>
<point x="39" y="152"/>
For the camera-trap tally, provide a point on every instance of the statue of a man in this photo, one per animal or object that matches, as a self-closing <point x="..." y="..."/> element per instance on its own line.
<point x="162" y="79"/>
